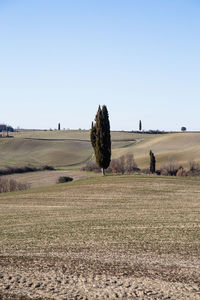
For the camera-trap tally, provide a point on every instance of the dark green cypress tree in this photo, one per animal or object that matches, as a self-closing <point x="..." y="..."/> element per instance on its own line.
<point x="100" y="138"/>
<point x="140" y="125"/>
<point x="93" y="135"/>
<point x="152" y="162"/>
<point x="106" y="138"/>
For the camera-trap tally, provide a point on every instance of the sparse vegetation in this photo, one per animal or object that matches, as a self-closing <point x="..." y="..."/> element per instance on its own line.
<point x="11" y="185"/>
<point x="91" y="166"/>
<point x="170" y="168"/>
<point x="14" y="170"/>
<point x="124" y="165"/>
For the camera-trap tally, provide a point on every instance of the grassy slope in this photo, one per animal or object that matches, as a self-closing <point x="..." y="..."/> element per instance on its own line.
<point x="66" y="148"/>
<point x="181" y="147"/>
<point x="41" y="152"/>
<point x="56" y="148"/>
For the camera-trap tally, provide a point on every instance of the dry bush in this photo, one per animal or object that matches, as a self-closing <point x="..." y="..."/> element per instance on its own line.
<point x="124" y="164"/>
<point x="182" y="172"/>
<point x="172" y="169"/>
<point x="131" y="165"/>
<point x="46" y="168"/>
<point x="145" y="171"/>
<point x="118" y="165"/>
<point x="194" y="168"/>
<point x="169" y="169"/>
<point x="63" y="179"/>
<point x="91" y="166"/>
<point x="11" y="185"/>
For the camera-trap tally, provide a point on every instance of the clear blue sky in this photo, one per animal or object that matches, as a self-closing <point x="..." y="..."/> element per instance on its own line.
<point x="60" y="59"/>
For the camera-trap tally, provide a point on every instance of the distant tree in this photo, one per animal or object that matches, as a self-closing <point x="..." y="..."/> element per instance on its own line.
<point x="152" y="162"/>
<point x="100" y="138"/>
<point x="140" y="125"/>
<point x="183" y="129"/>
<point x="58" y="126"/>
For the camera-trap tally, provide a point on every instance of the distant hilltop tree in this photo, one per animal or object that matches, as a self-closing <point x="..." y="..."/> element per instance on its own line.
<point x="183" y="128"/>
<point x="140" y="125"/>
<point x="152" y="162"/>
<point x="100" y="138"/>
<point x="58" y="126"/>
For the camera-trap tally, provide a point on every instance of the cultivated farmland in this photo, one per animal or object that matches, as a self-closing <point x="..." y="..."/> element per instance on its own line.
<point x="113" y="237"/>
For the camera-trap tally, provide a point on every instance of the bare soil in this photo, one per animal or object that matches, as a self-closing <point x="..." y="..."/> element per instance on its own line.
<point x="118" y="237"/>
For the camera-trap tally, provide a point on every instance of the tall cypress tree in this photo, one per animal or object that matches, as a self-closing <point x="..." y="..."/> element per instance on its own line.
<point x="152" y="162"/>
<point x="100" y="138"/>
<point x="140" y="125"/>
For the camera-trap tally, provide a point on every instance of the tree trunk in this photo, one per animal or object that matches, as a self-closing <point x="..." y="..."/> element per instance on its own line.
<point x="103" y="171"/>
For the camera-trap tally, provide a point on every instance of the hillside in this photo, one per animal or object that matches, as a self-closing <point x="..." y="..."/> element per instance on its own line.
<point x="57" y="148"/>
<point x="180" y="147"/>
<point x="71" y="148"/>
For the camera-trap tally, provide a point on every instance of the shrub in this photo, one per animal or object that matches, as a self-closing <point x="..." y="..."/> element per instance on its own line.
<point x="170" y="169"/>
<point x="194" y="169"/>
<point x="25" y="169"/>
<point x="145" y="171"/>
<point x="124" y="164"/>
<point x="91" y="166"/>
<point x="63" y="179"/>
<point x="181" y="172"/>
<point x="10" y="185"/>
<point x="118" y="165"/>
<point x="47" y="168"/>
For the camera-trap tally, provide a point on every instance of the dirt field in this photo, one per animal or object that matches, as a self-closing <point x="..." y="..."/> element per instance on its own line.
<point x="118" y="237"/>
<point x="47" y="178"/>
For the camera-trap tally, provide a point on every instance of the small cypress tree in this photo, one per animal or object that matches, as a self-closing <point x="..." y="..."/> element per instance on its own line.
<point x="152" y="162"/>
<point x="140" y="125"/>
<point x="100" y="138"/>
<point x="93" y="135"/>
<point x="58" y="126"/>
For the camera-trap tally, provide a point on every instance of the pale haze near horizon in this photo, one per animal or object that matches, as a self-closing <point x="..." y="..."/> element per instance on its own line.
<point x="61" y="59"/>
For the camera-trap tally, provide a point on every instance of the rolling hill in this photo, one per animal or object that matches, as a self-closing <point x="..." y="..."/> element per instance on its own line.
<point x="72" y="148"/>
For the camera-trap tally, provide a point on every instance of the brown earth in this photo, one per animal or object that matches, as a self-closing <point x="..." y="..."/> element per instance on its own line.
<point x="118" y="237"/>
